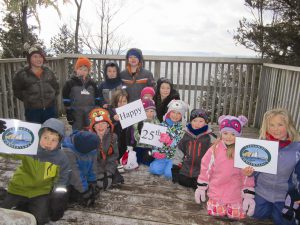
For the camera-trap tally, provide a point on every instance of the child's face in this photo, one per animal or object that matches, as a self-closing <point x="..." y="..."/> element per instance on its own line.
<point x="101" y="127"/>
<point x="148" y="96"/>
<point x="175" y="116"/>
<point x="36" y="60"/>
<point x="165" y="90"/>
<point x="133" y="61"/>
<point x="82" y="71"/>
<point x="122" y="101"/>
<point x="111" y="72"/>
<point x="198" y="123"/>
<point x="49" y="140"/>
<point x="228" y="137"/>
<point x="150" y="113"/>
<point x="277" y="127"/>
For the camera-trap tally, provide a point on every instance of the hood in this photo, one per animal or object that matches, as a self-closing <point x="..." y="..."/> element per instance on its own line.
<point x="114" y="80"/>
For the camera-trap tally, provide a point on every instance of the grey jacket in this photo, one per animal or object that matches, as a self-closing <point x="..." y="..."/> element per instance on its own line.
<point x="36" y="93"/>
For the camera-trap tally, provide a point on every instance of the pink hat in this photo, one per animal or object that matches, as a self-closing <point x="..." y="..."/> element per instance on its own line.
<point x="147" y="90"/>
<point x="232" y="124"/>
<point x="148" y="104"/>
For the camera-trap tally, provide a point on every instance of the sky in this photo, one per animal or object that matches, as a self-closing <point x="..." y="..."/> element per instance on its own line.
<point x="162" y="25"/>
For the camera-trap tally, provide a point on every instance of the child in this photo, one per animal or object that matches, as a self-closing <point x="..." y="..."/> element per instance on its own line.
<point x="112" y="82"/>
<point x="271" y="189"/>
<point x="135" y="77"/>
<point x="36" y="86"/>
<point x="81" y="148"/>
<point x="30" y="187"/>
<point x="143" y="150"/>
<point x="108" y="153"/>
<point x="162" y="164"/>
<point x="165" y="93"/>
<point x="230" y="192"/>
<point x="147" y="92"/>
<point x="80" y="95"/>
<point x="192" y="147"/>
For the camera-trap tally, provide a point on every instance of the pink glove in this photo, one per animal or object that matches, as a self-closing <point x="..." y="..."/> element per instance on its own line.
<point x="165" y="138"/>
<point x="200" y="193"/>
<point x="248" y="201"/>
<point x="159" y="155"/>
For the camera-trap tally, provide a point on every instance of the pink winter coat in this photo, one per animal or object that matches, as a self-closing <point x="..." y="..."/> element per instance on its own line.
<point x="225" y="182"/>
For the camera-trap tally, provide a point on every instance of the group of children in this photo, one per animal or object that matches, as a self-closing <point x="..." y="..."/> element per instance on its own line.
<point x="191" y="154"/>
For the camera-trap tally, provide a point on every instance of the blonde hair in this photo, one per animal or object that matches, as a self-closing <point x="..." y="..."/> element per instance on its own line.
<point x="291" y="130"/>
<point x="229" y="151"/>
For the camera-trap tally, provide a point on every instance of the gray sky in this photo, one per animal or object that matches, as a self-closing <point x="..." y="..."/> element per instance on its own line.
<point x="164" y="25"/>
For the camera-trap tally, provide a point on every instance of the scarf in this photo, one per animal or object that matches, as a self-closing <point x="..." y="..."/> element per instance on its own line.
<point x="282" y="143"/>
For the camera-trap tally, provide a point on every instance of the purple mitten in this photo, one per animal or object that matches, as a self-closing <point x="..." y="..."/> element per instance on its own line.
<point x="165" y="138"/>
<point x="248" y="200"/>
<point x="200" y="193"/>
<point x="159" y="155"/>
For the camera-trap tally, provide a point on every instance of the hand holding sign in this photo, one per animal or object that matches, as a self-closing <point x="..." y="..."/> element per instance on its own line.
<point x="150" y="134"/>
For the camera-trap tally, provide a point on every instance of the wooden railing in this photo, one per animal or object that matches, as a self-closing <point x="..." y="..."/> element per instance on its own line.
<point x="219" y="85"/>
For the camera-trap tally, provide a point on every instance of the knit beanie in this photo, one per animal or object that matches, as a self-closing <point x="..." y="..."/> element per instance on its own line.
<point x="148" y="104"/>
<point x="134" y="52"/>
<point x="178" y="106"/>
<point x="198" y="113"/>
<point x="147" y="90"/>
<point x="99" y="115"/>
<point x="232" y="124"/>
<point x="83" y="61"/>
<point x="33" y="49"/>
<point x="85" y="141"/>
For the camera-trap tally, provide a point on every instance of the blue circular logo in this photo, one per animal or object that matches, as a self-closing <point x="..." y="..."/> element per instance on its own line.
<point x="19" y="138"/>
<point x="255" y="155"/>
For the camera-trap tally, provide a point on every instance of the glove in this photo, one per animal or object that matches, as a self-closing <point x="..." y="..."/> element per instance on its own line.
<point x="70" y="116"/>
<point x="248" y="201"/>
<point x="291" y="209"/>
<point x="159" y="155"/>
<point x="165" y="138"/>
<point x="58" y="203"/>
<point x="200" y="193"/>
<point x="2" y="126"/>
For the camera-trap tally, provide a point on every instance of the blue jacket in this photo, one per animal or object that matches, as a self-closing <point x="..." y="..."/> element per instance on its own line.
<point x="274" y="187"/>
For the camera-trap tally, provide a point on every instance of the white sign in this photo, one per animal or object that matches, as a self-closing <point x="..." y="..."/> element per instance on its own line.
<point x="262" y="155"/>
<point x="131" y="113"/>
<point x="150" y="134"/>
<point x="19" y="137"/>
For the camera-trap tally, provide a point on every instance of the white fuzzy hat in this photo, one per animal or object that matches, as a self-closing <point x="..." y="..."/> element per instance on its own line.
<point x="178" y="106"/>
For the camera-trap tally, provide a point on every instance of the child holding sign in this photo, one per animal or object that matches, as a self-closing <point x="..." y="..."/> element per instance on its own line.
<point x="196" y="141"/>
<point x="271" y="189"/>
<point x="230" y="192"/>
<point x="162" y="164"/>
<point x="41" y="179"/>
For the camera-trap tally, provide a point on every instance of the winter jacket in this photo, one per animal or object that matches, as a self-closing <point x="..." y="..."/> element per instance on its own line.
<point x="176" y="132"/>
<point x="274" y="187"/>
<point x="193" y="148"/>
<point x="80" y="94"/>
<point x="36" y="93"/>
<point x="225" y="182"/>
<point x="84" y="166"/>
<point x="109" y="86"/>
<point x="37" y="174"/>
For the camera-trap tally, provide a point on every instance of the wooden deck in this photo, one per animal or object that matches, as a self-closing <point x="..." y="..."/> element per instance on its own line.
<point x="144" y="199"/>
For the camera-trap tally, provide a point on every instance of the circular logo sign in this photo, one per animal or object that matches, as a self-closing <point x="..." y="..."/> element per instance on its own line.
<point x="255" y="155"/>
<point x="19" y="138"/>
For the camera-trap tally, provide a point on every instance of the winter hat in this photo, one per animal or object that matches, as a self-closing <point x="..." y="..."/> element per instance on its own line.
<point x="134" y="52"/>
<point x="33" y="49"/>
<point x="99" y="115"/>
<point x="232" y="124"/>
<point x="147" y="90"/>
<point x="176" y="105"/>
<point x="85" y="141"/>
<point x="198" y="113"/>
<point x="148" y="104"/>
<point x="83" y="61"/>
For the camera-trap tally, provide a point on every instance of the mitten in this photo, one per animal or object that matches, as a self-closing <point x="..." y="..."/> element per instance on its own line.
<point x="165" y="138"/>
<point x="200" y="193"/>
<point x="2" y="126"/>
<point x="159" y="155"/>
<point x="248" y="201"/>
<point x="70" y="116"/>
<point x="291" y="209"/>
<point x="58" y="203"/>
